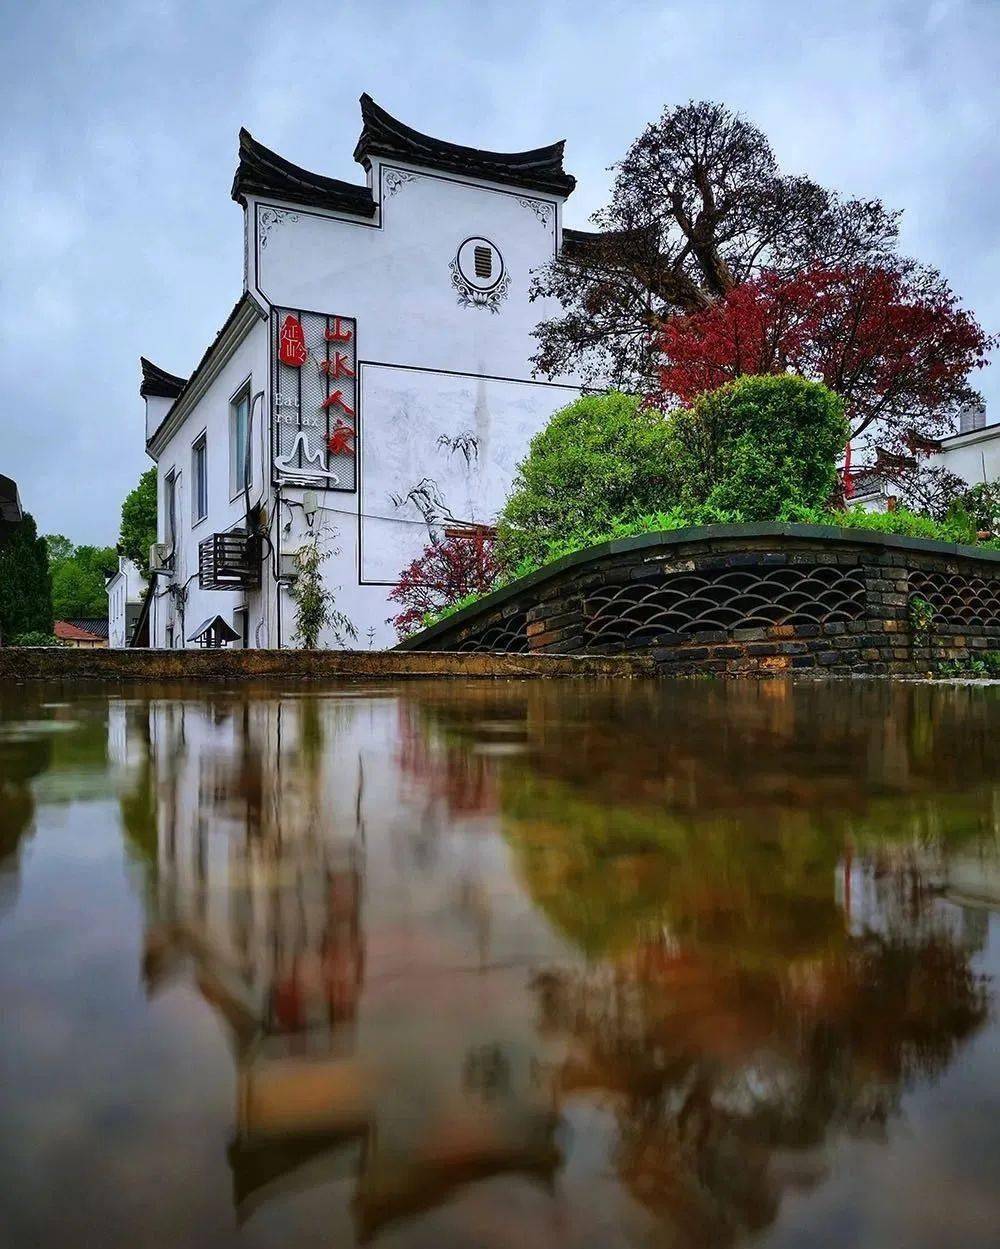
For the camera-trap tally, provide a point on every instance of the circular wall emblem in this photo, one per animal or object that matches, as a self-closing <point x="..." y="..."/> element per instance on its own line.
<point x="480" y="264"/>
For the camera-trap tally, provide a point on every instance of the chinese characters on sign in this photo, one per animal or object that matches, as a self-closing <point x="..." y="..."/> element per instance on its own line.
<point x="314" y="400"/>
<point x="292" y="349"/>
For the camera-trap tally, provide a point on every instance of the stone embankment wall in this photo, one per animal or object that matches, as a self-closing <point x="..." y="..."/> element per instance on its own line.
<point x="747" y="599"/>
<point x="28" y="663"/>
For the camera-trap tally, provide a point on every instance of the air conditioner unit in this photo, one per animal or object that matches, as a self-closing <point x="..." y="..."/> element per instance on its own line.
<point x="229" y="561"/>
<point x="159" y="558"/>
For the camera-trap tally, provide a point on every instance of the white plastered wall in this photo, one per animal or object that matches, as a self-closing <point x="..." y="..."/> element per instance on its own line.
<point x="211" y="416"/>
<point x="431" y="367"/>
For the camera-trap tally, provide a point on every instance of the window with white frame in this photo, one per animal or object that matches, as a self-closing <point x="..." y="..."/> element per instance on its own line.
<point x="170" y="509"/>
<point x="199" y="477"/>
<point x="240" y="466"/>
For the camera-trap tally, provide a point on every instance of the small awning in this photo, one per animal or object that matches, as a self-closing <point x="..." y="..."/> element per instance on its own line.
<point x="221" y="630"/>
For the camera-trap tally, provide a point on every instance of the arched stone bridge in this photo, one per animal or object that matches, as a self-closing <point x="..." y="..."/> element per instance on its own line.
<point x="739" y="599"/>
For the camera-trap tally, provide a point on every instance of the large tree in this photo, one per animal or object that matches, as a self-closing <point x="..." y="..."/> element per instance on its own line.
<point x="698" y="206"/>
<point x="79" y="574"/>
<point x="25" y="584"/>
<point x="138" y="530"/>
<point x="889" y="337"/>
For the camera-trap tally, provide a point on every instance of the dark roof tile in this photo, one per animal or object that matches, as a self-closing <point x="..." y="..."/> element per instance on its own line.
<point x="541" y="169"/>
<point x="263" y="172"/>
<point x="158" y="382"/>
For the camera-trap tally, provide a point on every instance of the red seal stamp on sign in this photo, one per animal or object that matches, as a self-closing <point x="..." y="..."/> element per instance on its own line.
<point x="292" y="343"/>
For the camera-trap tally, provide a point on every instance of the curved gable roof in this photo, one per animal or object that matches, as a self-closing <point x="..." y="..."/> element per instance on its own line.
<point x="263" y="172"/>
<point x="158" y="382"/>
<point x="540" y="169"/>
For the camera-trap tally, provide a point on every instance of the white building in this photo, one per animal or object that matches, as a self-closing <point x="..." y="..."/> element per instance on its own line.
<point x="126" y="590"/>
<point x="372" y="384"/>
<point x="974" y="452"/>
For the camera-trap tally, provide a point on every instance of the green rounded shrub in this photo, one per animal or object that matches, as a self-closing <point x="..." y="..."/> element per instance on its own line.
<point x="601" y="459"/>
<point x="760" y="445"/>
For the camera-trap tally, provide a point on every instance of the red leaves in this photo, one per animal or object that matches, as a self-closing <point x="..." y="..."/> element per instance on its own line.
<point x="446" y="572"/>
<point x="891" y="339"/>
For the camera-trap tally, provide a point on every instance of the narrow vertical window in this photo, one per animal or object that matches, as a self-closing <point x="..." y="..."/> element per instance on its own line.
<point x="199" y="472"/>
<point x="170" y="509"/>
<point x="240" y="472"/>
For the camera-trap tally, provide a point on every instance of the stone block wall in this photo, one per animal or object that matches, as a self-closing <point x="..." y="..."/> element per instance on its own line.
<point x="735" y="600"/>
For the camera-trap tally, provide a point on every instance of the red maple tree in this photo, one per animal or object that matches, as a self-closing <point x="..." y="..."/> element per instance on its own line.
<point x="890" y="338"/>
<point x="446" y="571"/>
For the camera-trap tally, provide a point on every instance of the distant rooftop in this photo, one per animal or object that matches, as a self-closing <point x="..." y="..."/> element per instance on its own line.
<point x="81" y="630"/>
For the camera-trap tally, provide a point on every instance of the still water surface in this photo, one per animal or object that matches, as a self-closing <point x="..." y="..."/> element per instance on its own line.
<point x="545" y="964"/>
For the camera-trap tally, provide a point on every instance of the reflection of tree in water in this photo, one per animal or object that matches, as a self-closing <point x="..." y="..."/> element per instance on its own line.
<point x="446" y="770"/>
<point x="24" y="755"/>
<point x="719" y="1071"/>
<point x="769" y="965"/>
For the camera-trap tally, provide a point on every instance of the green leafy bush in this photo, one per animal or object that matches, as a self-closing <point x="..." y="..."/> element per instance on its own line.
<point x="601" y="459"/>
<point x="759" y="448"/>
<point x="744" y="451"/>
<point x="986" y="665"/>
<point x="759" y="445"/>
<point x="36" y="638"/>
<point x="956" y="526"/>
<point x="982" y="503"/>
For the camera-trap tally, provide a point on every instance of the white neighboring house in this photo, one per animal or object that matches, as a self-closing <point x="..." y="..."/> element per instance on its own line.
<point x="126" y="591"/>
<point x="372" y="384"/>
<point x="972" y="454"/>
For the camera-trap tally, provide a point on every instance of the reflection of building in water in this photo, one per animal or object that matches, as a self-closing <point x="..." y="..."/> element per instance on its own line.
<point x="358" y="1046"/>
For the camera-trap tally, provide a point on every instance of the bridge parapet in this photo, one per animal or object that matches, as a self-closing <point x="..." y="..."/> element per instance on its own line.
<point x="747" y="599"/>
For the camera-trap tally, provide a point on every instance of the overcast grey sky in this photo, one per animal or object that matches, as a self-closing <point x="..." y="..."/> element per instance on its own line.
<point x="119" y="125"/>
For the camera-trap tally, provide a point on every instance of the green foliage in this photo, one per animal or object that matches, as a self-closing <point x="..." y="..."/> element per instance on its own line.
<point x="602" y="458"/>
<point x="902" y="522"/>
<point x="986" y="665"/>
<point x="758" y="448"/>
<point x="34" y="637"/>
<point x="25" y="584"/>
<point x="921" y="615"/>
<point x="758" y="445"/>
<point x="314" y="601"/>
<point x="60" y="547"/>
<point x="79" y="574"/>
<point x="138" y="531"/>
<point x="956" y="526"/>
<point x="744" y="451"/>
<point x="982" y="503"/>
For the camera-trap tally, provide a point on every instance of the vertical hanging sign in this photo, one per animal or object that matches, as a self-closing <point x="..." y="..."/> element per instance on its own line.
<point x="315" y="399"/>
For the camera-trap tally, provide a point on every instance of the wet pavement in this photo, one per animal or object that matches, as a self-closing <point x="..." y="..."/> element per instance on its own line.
<point x="575" y="963"/>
